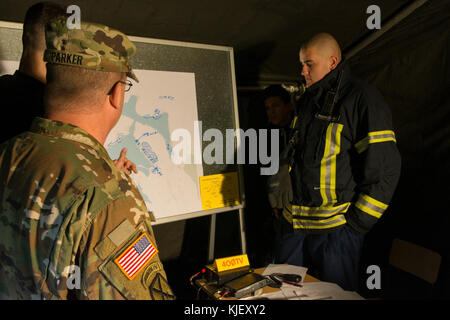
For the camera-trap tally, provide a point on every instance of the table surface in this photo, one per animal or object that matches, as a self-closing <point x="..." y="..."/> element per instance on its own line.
<point x="211" y="289"/>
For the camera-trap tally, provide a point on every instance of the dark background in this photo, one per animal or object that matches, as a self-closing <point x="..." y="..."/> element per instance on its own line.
<point x="409" y="64"/>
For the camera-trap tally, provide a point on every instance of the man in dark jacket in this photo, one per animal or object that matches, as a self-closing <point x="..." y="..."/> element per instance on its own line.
<point x="344" y="170"/>
<point x="22" y="92"/>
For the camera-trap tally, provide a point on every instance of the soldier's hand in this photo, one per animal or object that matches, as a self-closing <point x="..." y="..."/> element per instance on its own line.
<point x="124" y="164"/>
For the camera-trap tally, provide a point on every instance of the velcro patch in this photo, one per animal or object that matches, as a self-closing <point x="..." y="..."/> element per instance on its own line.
<point x="121" y="233"/>
<point x="136" y="256"/>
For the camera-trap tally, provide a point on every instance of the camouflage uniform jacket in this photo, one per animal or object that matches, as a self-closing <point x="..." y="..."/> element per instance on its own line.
<point x="67" y="214"/>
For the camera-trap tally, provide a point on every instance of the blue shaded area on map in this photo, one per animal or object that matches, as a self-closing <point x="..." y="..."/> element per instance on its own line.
<point x="138" y="151"/>
<point x="141" y="153"/>
<point x="160" y="122"/>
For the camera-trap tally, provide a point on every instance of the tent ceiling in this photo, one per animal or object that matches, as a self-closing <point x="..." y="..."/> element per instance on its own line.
<point x="265" y="34"/>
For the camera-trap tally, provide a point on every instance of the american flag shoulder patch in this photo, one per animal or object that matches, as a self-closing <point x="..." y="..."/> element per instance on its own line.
<point x="136" y="256"/>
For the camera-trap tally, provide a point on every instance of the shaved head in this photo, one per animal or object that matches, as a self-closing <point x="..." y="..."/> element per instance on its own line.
<point x="326" y="45"/>
<point x="318" y="56"/>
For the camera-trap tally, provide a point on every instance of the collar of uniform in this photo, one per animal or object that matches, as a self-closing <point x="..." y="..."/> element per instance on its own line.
<point x="34" y="91"/>
<point x="30" y="80"/>
<point x="327" y="82"/>
<point x="66" y="131"/>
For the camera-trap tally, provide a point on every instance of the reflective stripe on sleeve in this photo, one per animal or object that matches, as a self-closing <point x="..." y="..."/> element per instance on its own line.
<point x="375" y="137"/>
<point x="371" y="206"/>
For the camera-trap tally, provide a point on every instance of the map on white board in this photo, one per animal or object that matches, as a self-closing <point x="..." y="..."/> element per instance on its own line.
<point x="160" y="103"/>
<point x="8" y="67"/>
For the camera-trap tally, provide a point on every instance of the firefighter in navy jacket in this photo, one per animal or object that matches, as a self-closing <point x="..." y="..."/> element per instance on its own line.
<point x="344" y="169"/>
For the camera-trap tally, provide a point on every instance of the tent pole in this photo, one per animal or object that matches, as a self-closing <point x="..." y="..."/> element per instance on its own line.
<point x="212" y="238"/>
<point x="386" y="26"/>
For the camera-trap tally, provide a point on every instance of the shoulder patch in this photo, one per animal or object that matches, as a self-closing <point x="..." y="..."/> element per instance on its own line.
<point x="136" y="256"/>
<point x="121" y="233"/>
<point x="160" y="289"/>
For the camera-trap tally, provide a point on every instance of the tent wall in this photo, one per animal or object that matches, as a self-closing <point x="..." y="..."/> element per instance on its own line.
<point x="410" y="66"/>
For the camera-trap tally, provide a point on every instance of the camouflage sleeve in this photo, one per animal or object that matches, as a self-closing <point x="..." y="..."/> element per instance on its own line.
<point x="118" y="256"/>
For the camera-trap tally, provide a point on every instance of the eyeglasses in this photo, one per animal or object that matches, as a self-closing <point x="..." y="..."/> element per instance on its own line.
<point x="128" y="84"/>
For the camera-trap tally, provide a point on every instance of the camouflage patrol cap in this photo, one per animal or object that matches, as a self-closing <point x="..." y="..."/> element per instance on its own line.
<point x="93" y="46"/>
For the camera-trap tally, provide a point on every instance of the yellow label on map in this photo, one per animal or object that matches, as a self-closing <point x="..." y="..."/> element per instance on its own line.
<point x="230" y="263"/>
<point x="219" y="190"/>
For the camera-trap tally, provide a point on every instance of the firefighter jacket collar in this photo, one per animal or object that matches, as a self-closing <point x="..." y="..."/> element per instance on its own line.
<point x="318" y="89"/>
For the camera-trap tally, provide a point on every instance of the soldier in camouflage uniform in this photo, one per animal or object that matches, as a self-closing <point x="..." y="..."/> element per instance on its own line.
<point x="73" y="225"/>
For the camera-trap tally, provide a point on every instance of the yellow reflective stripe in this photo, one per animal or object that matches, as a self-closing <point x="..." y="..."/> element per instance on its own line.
<point x="328" y="164"/>
<point x="368" y="210"/>
<point x="375" y="137"/>
<point x="325" y="211"/>
<point x="371" y="206"/>
<point x="319" y="224"/>
<point x="287" y="215"/>
<point x="323" y="166"/>
<point x="334" y="216"/>
<point x="293" y="122"/>
<point x="333" y="164"/>
<point x="376" y="133"/>
<point x="373" y="201"/>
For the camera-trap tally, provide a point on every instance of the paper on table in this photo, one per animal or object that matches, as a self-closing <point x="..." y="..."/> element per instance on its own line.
<point x="288" y="292"/>
<point x="309" y="291"/>
<point x="277" y="295"/>
<point x="348" y="295"/>
<point x="318" y="291"/>
<point x="285" y="268"/>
